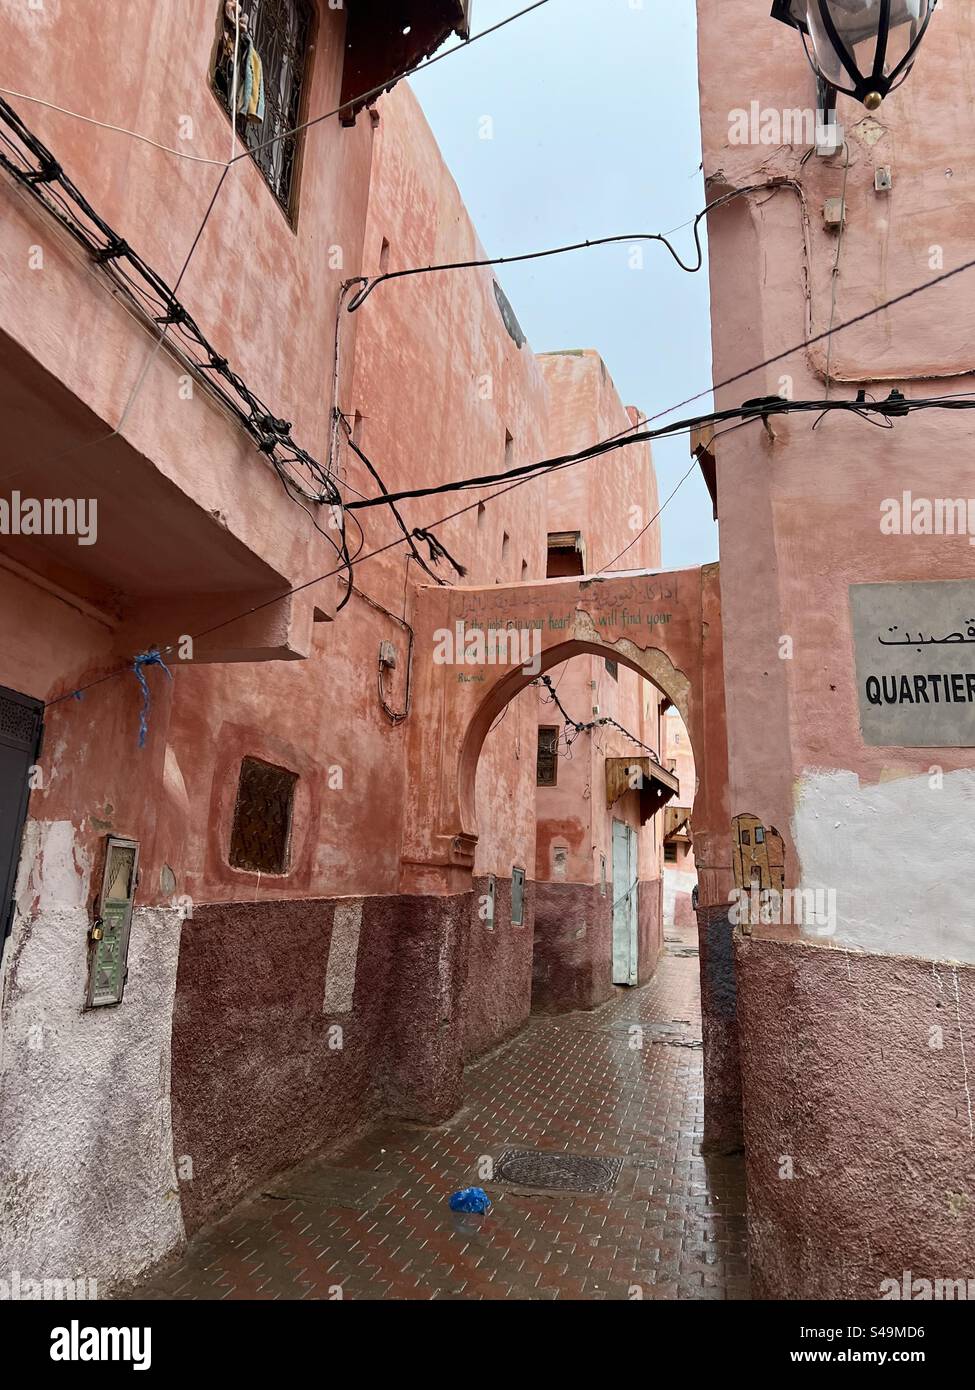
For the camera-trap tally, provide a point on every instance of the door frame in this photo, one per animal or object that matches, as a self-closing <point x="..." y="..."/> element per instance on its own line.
<point x="21" y="729"/>
<point x="625" y="915"/>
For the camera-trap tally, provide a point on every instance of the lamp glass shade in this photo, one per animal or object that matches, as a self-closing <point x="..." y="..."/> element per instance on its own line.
<point x="859" y="46"/>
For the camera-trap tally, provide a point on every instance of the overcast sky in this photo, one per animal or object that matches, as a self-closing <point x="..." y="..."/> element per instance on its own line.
<point x="593" y="106"/>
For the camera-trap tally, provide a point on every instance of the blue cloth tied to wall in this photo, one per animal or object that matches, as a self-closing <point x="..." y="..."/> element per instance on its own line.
<point x="149" y="658"/>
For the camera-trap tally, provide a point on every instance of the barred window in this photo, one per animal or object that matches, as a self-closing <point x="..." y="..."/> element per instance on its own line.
<point x="272" y="58"/>
<point x="546" y="768"/>
<point x="262" y="818"/>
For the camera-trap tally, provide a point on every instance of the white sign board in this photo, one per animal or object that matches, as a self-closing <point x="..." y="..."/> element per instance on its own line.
<point x="915" y="663"/>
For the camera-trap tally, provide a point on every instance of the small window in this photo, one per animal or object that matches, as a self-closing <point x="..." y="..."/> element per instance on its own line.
<point x="546" y="773"/>
<point x="517" y="897"/>
<point x="262" y="818"/>
<point x="272" y="56"/>
<point x="670" y="852"/>
<point x="759" y="835"/>
<point x="565" y="555"/>
<point x="613" y="667"/>
<point x="746" y="838"/>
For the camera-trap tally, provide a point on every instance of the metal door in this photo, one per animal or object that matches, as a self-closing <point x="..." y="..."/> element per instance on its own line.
<point x="20" y="737"/>
<point x="625" y="888"/>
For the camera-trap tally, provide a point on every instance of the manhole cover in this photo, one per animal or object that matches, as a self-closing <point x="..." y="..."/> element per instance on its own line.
<point x="558" y="1172"/>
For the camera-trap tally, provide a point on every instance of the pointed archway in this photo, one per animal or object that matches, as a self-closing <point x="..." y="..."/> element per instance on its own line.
<point x="475" y="649"/>
<point x="664" y="625"/>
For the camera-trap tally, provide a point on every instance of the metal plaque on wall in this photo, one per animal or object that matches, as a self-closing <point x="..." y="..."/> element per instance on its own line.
<point x="915" y="663"/>
<point x="108" y="961"/>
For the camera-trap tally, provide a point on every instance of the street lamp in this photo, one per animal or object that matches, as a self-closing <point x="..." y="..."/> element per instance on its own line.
<point x="864" y="48"/>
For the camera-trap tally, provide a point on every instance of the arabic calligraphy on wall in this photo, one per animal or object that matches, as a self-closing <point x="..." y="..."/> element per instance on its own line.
<point x="915" y="663"/>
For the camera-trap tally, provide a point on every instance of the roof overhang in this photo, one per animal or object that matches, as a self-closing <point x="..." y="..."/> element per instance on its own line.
<point x="655" y="785"/>
<point x="386" y="38"/>
<point x="702" y="448"/>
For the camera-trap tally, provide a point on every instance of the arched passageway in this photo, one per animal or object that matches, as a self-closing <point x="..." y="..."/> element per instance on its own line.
<point x="476" y="649"/>
<point x="664" y="625"/>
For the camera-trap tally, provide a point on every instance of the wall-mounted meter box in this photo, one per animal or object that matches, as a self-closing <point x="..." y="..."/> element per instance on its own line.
<point x="108" y="959"/>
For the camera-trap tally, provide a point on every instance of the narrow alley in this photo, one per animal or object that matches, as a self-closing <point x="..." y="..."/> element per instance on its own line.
<point x="487" y="730"/>
<point x="373" y="1223"/>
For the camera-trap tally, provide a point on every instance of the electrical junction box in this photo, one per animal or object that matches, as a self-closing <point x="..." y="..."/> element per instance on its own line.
<point x="883" y="179"/>
<point x="834" y="212"/>
<point x="387" y="655"/>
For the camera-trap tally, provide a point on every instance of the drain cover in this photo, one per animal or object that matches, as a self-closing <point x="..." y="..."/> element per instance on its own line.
<point x="557" y="1172"/>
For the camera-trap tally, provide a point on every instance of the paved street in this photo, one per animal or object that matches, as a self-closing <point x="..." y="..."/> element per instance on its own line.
<point x="374" y="1220"/>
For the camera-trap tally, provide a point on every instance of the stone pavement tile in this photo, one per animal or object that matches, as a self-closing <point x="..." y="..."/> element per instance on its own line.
<point x="673" y="1226"/>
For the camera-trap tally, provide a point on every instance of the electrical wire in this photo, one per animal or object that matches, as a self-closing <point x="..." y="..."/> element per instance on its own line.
<point x="369" y="284"/>
<point x="365" y="97"/>
<point x="105" y="125"/>
<point x="760" y="408"/>
<point x="606" y="568"/>
<point x="946" y="402"/>
<point x="579" y="728"/>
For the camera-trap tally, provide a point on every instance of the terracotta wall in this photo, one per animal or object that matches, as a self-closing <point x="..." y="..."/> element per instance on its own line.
<point x="800" y="522"/>
<point x="680" y="876"/>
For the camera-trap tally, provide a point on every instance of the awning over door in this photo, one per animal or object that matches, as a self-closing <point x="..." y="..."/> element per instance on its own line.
<point x="654" y="783"/>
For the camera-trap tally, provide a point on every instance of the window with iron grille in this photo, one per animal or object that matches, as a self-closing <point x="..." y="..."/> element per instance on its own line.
<point x="546" y="768"/>
<point x="262" y="818"/>
<point x="670" y="852"/>
<point x="272" y="58"/>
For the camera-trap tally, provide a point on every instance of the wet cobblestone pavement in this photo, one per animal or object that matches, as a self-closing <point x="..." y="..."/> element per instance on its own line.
<point x="372" y="1222"/>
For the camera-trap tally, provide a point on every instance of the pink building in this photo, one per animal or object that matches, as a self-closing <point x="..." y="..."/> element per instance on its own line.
<point x="680" y="873"/>
<point x="235" y="935"/>
<point x="856" y="1020"/>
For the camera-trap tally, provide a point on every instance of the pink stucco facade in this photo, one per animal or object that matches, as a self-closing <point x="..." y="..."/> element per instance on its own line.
<point x="269" y="1014"/>
<point x="838" y="1069"/>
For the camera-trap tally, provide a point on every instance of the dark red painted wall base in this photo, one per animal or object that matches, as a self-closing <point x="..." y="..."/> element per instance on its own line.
<point x="258" y="1084"/>
<point x="572" y="967"/>
<point x="854" y="1072"/>
<point x="498" y="994"/>
<point x="719" y="1024"/>
<point x="573" y="958"/>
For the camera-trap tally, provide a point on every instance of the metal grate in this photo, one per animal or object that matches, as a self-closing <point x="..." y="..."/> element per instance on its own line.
<point x="553" y="1172"/>
<point x="19" y="721"/>
<point x="262" y="818"/>
<point x="280" y="30"/>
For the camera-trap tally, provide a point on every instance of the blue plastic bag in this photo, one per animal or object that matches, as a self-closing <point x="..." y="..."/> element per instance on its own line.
<point x="471" y="1199"/>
